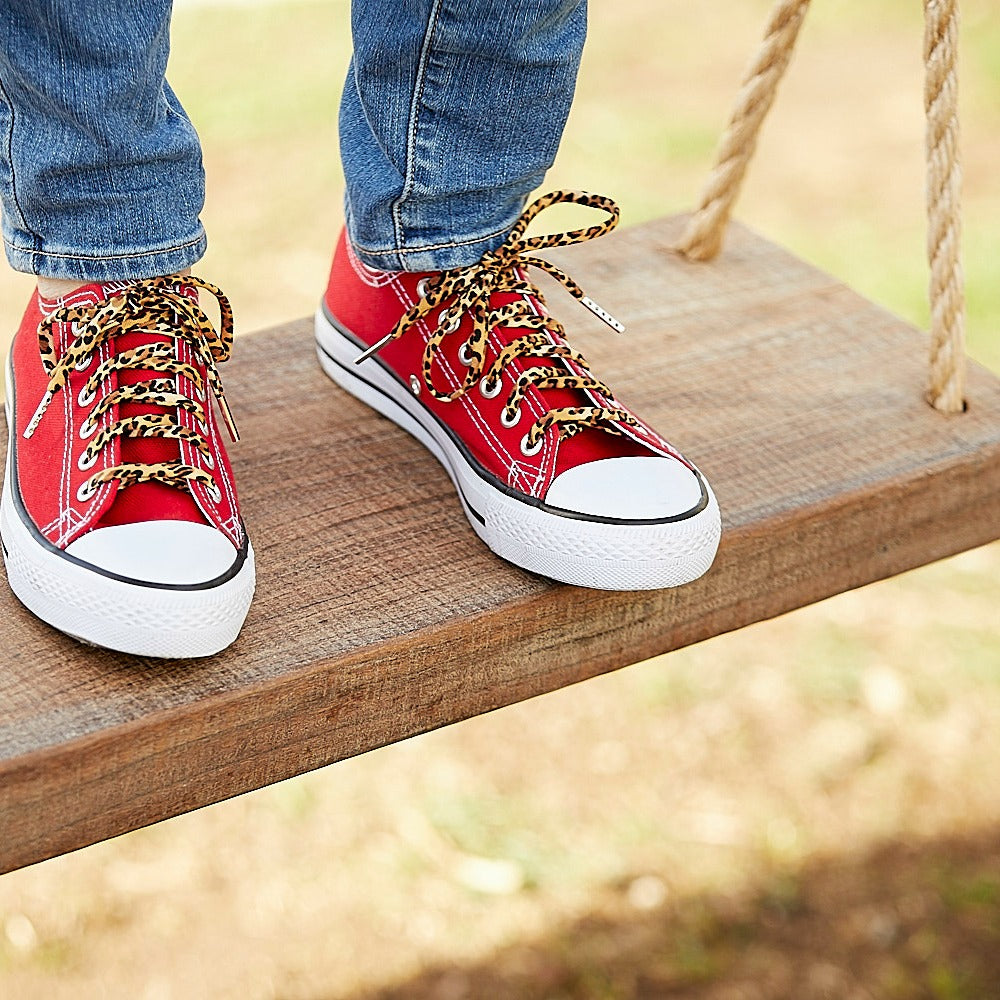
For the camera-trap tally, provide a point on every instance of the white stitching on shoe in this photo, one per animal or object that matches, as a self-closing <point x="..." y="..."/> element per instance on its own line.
<point x="228" y="525"/>
<point x="95" y="504"/>
<point x="368" y="275"/>
<point x="483" y="425"/>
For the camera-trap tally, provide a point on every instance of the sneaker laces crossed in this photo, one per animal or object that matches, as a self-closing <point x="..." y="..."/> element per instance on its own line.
<point x="157" y="306"/>
<point x="502" y="271"/>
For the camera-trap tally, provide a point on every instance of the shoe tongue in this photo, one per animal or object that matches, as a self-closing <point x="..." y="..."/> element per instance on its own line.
<point x="140" y="501"/>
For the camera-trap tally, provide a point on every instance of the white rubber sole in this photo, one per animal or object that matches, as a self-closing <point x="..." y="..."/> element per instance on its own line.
<point x="112" y="612"/>
<point x="580" y="550"/>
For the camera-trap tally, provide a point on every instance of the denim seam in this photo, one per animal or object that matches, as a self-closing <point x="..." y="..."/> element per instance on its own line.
<point x="114" y="256"/>
<point x="411" y="137"/>
<point x="432" y="246"/>
<point x="10" y="161"/>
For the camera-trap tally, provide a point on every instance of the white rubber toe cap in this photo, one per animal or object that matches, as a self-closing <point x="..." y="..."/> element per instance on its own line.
<point x="628" y="488"/>
<point x="158" y="552"/>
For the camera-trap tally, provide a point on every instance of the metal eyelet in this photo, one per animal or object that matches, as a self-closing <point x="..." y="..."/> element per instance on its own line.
<point x="82" y="463"/>
<point x="527" y="450"/>
<point x="486" y="392"/>
<point x="85" y="491"/>
<point x="214" y="492"/>
<point x="513" y="421"/>
<point x="85" y="400"/>
<point x="199" y="394"/>
<point x="452" y="326"/>
<point x="464" y="356"/>
<point x="422" y="287"/>
<point x="209" y="460"/>
<point x="414" y="385"/>
<point x="202" y="427"/>
<point x="83" y="365"/>
<point x="84" y="433"/>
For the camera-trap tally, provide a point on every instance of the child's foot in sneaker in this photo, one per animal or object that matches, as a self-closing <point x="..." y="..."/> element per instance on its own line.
<point x="554" y="473"/>
<point x="119" y="517"/>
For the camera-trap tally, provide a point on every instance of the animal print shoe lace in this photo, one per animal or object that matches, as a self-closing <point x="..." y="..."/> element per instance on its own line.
<point x="553" y="471"/>
<point x="119" y="516"/>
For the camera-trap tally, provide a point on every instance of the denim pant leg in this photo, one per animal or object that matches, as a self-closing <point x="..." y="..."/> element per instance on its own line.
<point x="452" y="112"/>
<point x="100" y="169"/>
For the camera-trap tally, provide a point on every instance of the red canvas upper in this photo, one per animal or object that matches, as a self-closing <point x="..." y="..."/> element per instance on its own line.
<point x="368" y="303"/>
<point x="47" y="473"/>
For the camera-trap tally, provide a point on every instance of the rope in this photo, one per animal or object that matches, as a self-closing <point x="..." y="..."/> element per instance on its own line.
<point x="944" y="180"/>
<point x="702" y="239"/>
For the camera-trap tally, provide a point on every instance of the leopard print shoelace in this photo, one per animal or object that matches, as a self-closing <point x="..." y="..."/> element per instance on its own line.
<point x="469" y="290"/>
<point x="154" y="306"/>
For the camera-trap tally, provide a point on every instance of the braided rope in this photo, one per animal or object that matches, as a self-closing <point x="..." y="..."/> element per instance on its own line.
<point x="944" y="180"/>
<point x="702" y="238"/>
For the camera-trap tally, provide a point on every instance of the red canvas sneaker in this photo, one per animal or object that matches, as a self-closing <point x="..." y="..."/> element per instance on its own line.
<point x="554" y="473"/>
<point x="119" y="516"/>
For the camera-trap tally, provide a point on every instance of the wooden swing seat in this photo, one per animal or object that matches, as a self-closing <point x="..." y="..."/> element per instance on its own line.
<point x="380" y="615"/>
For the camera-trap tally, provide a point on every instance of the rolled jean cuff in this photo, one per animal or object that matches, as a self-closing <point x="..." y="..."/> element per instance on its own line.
<point x="438" y="257"/>
<point x="127" y="265"/>
<point x="428" y="254"/>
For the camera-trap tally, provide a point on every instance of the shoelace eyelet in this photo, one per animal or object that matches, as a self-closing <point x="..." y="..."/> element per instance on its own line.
<point x="214" y="492"/>
<point x="83" y="463"/>
<point x="452" y="326"/>
<point x="209" y="460"/>
<point x="527" y="450"/>
<point x="422" y="286"/>
<point x="464" y="356"/>
<point x="490" y="393"/>
<point x="85" y="491"/>
<point x="513" y="421"/>
<point x="84" y="432"/>
<point x="86" y="400"/>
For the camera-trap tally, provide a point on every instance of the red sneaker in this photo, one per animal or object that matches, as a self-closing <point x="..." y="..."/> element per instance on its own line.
<point x="554" y="473"/>
<point x="119" y="516"/>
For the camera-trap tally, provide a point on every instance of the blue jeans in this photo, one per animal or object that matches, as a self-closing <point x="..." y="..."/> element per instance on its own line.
<point x="451" y="114"/>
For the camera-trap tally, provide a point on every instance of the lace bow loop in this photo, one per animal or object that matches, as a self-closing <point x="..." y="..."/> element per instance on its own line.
<point x="467" y="293"/>
<point x="470" y="289"/>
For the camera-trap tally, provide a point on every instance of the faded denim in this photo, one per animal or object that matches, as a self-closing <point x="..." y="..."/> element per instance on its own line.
<point x="452" y="112"/>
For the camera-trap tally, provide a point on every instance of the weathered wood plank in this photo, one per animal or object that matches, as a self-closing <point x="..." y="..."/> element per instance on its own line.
<point x="380" y="615"/>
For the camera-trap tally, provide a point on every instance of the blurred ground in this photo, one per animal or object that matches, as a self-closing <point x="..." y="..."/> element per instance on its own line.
<point x="807" y="808"/>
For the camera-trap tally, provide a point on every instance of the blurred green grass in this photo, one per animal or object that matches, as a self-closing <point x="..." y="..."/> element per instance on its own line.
<point x="685" y="819"/>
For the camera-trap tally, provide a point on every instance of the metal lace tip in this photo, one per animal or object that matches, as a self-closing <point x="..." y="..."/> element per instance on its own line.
<point x="37" y="417"/>
<point x="374" y="349"/>
<point x="603" y="314"/>
<point x="227" y="416"/>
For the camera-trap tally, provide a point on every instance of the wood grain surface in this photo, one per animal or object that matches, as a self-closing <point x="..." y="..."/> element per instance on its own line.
<point x="380" y="615"/>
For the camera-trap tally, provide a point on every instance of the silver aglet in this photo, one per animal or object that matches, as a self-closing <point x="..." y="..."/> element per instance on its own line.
<point x="37" y="418"/>
<point x="603" y="314"/>
<point x="374" y="349"/>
